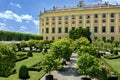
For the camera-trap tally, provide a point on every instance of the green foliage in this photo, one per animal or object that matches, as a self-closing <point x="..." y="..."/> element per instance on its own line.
<point x="7" y="57"/>
<point x="49" y="63"/>
<point x="31" y="43"/>
<point x="29" y="54"/>
<point x="88" y="65"/>
<point x="80" y="42"/>
<point x="9" y="36"/>
<point x="62" y="48"/>
<point x="80" y="32"/>
<point x="23" y="44"/>
<point x="116" y="43"/>
<point x="23" y="72"/>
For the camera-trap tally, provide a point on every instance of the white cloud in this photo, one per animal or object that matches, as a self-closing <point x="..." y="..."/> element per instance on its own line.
<point x="11" y="15"/>
<point x="112" y="1"/>
<point x="16" y="5"/>
<point x="3" y="26"/>
<point x="22" y="28"/>
<point x="36" y="22"/>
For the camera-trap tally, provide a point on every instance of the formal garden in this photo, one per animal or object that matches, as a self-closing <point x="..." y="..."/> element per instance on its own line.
<point x="33" y="59"/>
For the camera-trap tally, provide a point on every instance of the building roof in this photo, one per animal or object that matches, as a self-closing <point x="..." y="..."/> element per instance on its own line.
<point x="82" y="6"/>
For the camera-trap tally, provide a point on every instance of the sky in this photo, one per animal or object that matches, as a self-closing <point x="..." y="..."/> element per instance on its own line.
<point x="23" y="15"/>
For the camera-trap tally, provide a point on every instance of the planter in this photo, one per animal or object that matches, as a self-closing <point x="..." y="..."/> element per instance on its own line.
<point x="113" y="78"/>
<point x="49" y="77"/>
<point x="85" y="78"/>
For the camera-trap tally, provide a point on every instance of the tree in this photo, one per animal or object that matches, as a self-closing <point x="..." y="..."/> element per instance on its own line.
<point x="23" y="72"/>
<point x="80" y="32"/>
<point x="7" y="58"/>
<point x="49" y="63"/>
<point x="62" y="48"/>
<point x="79" y="42"/>
<point x="88" y="65"/>
<point x="31" y="43"/>
<point x="23" y="44"/>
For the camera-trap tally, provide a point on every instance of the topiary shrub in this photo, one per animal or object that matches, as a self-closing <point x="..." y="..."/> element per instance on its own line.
<point x="29" y="54"/>
<point x="23" y="72"/>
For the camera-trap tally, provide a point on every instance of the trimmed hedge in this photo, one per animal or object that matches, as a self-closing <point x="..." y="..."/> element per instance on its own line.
<point x="35" y="69"/>
<point x="29" y="54"/>
<point x="21" y="58"/>
<point x="111" y="56"/>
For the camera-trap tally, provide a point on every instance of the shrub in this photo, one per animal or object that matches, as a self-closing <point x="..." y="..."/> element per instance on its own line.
<point x="111" y="56"/>
<point x="29" y="54"/>
<point x="115" y="52"/>
<point x="23" y="72"/>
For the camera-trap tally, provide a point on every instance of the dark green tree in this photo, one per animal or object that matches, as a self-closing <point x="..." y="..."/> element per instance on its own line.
<point x="80" y="32"/>
<point x="7" y="58"/>
<point x="23" y="72"/>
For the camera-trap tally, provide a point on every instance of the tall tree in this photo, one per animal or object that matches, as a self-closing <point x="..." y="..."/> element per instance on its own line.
<point x="62" y="48"/>
<point x="80" y="32"/>
<point x="7" y="57"/>
<point x="88" y="65"/>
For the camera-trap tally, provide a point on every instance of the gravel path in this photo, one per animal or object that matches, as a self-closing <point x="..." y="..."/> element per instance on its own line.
<point x="69" y="72"/>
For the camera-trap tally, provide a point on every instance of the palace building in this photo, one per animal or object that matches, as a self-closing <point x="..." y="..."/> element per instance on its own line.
<point x="102" y="19"/>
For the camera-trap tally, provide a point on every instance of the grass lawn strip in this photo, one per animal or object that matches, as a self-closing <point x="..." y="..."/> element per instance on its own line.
<point x="28" y="62"/>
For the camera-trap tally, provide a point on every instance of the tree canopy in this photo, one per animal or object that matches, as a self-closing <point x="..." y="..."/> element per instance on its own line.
<point x="62" y="48"/>
<point x="7" y="57"/>
<point x="80" y="32"/>
<point x="88" y="64"/>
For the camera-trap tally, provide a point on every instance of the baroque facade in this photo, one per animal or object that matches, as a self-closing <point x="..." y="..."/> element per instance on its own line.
<point x="102" y="19"/>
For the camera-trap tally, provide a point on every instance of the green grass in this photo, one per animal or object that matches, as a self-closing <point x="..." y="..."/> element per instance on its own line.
<point x="37" y="57"/>
<point x="114" y="63"/>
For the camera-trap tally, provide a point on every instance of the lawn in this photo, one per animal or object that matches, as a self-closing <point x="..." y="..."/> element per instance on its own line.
<point x="28" y="62"/>
<point x="114" y="63"/>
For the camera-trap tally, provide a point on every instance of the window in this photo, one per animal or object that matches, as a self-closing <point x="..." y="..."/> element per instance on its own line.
<point x="112" y="28"/>
<point x="73" y="28"/>
<point x="59" y="22"/>
<point x="88" y="21"/>
<point x="53" y="18"/>
<point x="66" y="29"/>
<point x="47" y="30"/>
<point x="88" y="27"/>
<point x="103" y="20"/>
<point x="47" y="23"/>
<point x="73" y="22"/>
<point x="59" y="30"/>
<point x="112" y="38"/>
<point x="59" y="37"/>
<point x="66" y="17"/>
<point x="104" y="15"/>
<point x="80" y="17"/>
<point x="112" y="14"/>
<point x="95" y="21"/>
<point x="104" y="38"/>
<point x="95" y="15"/>
<point x="42" y="30"/>
<point x="53" y="38"/>
<point x="80" y="21"/>
<point x="95" y="38"/>
<point x="53" y="23"/>
<point x="112" y="20"/>
<point x="66" y="22"/>
<point x="95" y="29"/>
<point x="53" y="30"/>
<point x="47" y="18"/>
<point x="87" y="16"/>
<point x="59" y="18"/>
<point x="104" y="29"/>
<point x="73" y="16"/>
<point x="46" y="38"/>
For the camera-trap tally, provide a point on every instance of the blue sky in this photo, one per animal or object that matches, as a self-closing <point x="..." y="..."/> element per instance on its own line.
<point x="22" y="15"/>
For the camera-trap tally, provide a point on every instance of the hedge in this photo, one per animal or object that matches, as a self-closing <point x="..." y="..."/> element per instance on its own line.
<point x="10" y="36"/>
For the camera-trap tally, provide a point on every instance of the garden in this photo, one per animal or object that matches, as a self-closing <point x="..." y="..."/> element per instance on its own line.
<point x="33" y="59"/>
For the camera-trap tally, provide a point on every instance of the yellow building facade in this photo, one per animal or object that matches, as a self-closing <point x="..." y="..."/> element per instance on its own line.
<point x="103" y="21"/>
